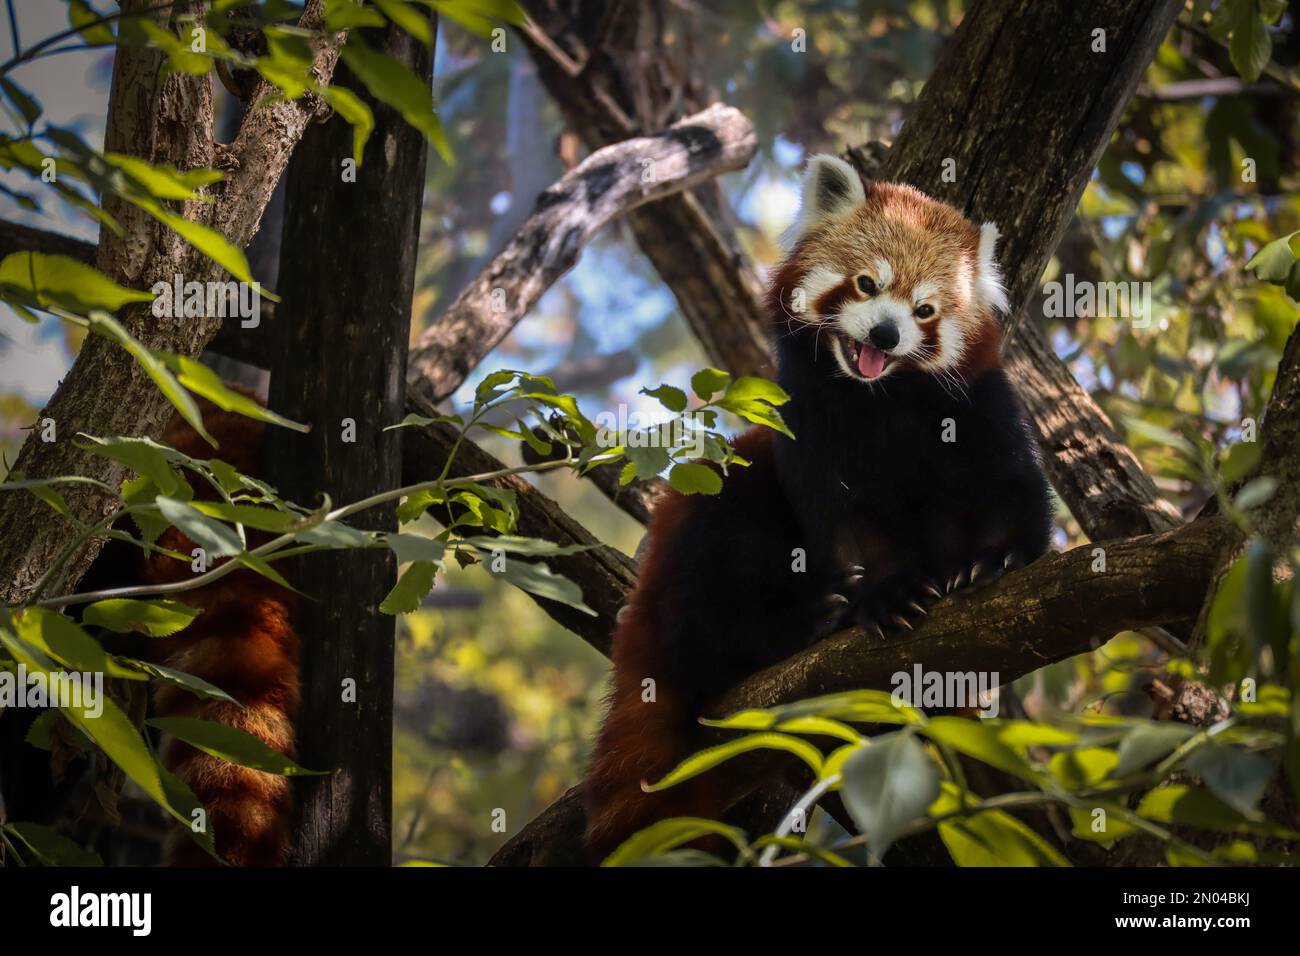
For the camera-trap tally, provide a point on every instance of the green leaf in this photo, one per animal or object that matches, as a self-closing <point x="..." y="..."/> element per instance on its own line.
<point x="1227" y="630"/>
<point x="415" y="547"/>
<point x="1196" y="807"/>
<point x="209" y="242"/>
<point x="1250" y="46"/>
<point x="995" y="838"/>
<point x="707" y="759"/>
<point x="749" y="388"/>
<point x="356" y="113"/>
<point x="1256" y="492"/>
<point x="667" y="834"/>
<point x="673" y="399"/>
<point x="1236" y="777"/>
<point x="165" y="181"/>
<point x="42" y="281"/>
<point x="195" y="685"/>
<point x="81" y="17"/>
<point x="708" y="381"/>
<point x="105" y="325"/>
<point x="27" y="106"/>
<point x="1239" y="460"/>
<point x="421" y="420"/>
<point x="975" y="739"/>
<point x="1147" y="743"/>
<point x="114" y="734"/>
<point x="535" y="547"/>
<point x="231" y="744"/>
<point x="414" y="22"/>
<point x="348" y="14"/>
<point x="154" y="618"/>
<point x="64" y="641"/>
<point x="411" y="589"/>
<point x="398" y="86"/>
<point x="886" y="785"/>
<point x="201" y="380"/>
<point x="766" y="720"/>
<point x="217" y="539"/>
<point x="252" y="516"/>
<point x="647" y="461"/>
<point x="540" y="580"/>
<point x="692" y="478"/>
<point x="51" y="847"/>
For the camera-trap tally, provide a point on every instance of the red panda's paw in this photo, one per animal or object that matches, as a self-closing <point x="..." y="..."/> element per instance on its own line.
<point x="983" y="571"/>
<point x="892" y="607"/>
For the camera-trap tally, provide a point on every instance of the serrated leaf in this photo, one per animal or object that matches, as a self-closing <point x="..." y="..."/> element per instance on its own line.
<point x="709" y="381"/>
<point x="538" y="579"/>
<point x="667" y="834"/>
<point x="201" y="380"/>
<point x="397" y="85"/>
<point x="231" y="744"/>
<point x="217" y="539"/>
<point x="693" y="478"/>
<point x="154" y="618"/>
<point x="673" y="399"/>
<point x="707" y="759"/>
<point x="356" y="113"/>
<point x="51" y="847"/>
<point x="411" y="589"/>
<point x="43" y="281"/>
<point x="104" y="324"/>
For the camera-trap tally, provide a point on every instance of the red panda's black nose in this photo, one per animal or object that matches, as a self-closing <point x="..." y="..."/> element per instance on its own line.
<point x="884" y="336"/>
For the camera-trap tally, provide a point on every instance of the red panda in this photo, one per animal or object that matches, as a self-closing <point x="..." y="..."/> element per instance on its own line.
<point x="912" y="474"/>
<point x="244" y="642"/>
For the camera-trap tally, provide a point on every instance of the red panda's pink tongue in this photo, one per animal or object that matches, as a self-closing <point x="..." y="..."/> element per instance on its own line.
<point x="871" y="361"/>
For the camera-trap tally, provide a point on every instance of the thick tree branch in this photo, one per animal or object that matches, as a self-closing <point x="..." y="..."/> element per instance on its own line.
<point x="1056" y="608"/>
<point x="161" y="118"/>
<point x="606" y="185"/>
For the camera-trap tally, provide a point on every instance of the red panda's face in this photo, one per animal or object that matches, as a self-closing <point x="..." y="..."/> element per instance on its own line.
<point x="890" y="278"/>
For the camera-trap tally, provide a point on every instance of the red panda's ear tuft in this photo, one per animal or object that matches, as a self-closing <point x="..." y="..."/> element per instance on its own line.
<point x="989" y="291"/>
<point x="831" y="187"/>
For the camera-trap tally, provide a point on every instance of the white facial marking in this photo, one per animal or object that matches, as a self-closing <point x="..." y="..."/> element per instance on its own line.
<point x="952" y="344"/>
<point x="884" y="273"/>
<point x="857" y="319"/>
<point x="817" y="283"/>
<point x="924" y="290"/>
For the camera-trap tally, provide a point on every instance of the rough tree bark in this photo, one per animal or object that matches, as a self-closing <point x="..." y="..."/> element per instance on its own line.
<point x="341" y="346"/>
<point x="161" y="119"/>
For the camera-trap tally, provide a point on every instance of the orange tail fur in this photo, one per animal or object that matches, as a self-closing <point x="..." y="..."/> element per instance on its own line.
<point x="243" y="642"/>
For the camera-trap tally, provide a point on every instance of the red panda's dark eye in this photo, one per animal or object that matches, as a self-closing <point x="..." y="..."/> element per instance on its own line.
<point x="924" y="311"/>
<point x="866" y="286"/>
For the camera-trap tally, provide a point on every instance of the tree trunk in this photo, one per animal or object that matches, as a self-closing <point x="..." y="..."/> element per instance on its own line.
<point x="347" y="273"/>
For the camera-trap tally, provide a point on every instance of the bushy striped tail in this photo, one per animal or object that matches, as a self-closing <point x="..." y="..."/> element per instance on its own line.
<point x="244" y="643"/>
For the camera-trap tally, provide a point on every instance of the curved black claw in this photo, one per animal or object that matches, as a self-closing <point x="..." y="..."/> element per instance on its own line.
<point x="984" y="571"/>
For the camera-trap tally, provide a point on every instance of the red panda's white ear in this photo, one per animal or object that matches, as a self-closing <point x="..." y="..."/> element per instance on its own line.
<point x="989" y="291"/>
<point x="831" y="187"/>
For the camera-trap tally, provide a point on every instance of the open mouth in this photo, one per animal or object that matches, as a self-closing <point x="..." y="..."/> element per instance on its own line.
<point x="869" y="361"/>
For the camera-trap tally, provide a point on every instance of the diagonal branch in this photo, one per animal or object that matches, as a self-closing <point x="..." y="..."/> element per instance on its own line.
<point x="606" y="185"/>
<point x="1056" y="608"/>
